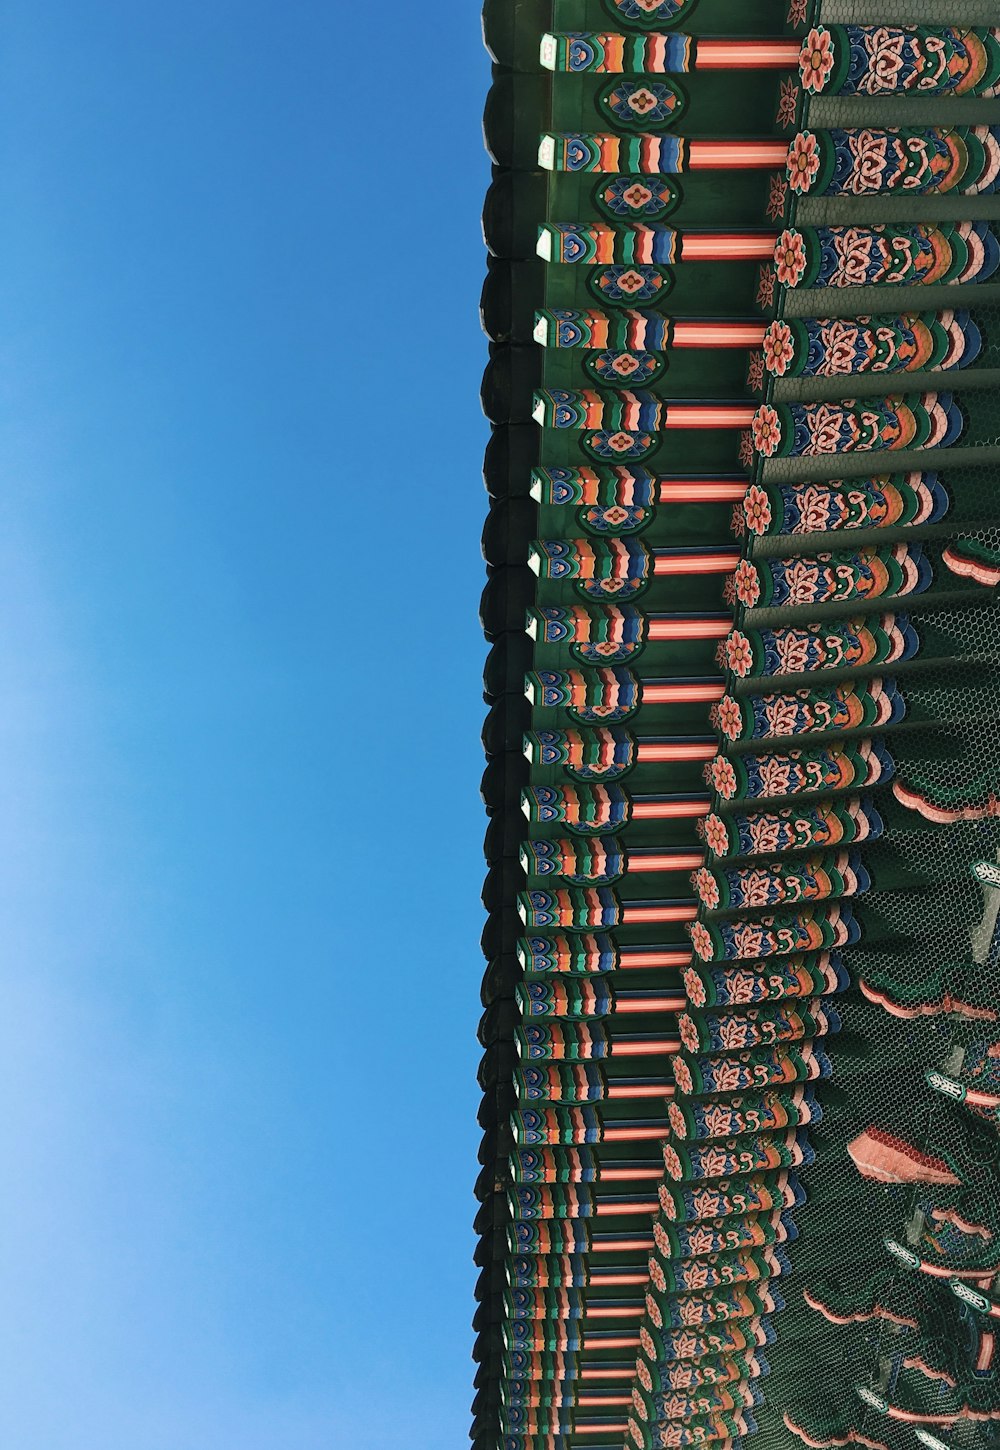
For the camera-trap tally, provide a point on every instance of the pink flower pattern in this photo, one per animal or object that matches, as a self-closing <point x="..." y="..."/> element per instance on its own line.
<point x="707" y="888"/>
<point x="870" y="158"/>
<point x="803" y="581"/>
<point x="729" y="717"/>
<point x="682" y="1075"/>
<point x="779" y="349"/>
<point x="721" y="775"/>
<point x="755" y="372"/>
<point x="716" y="835"/>
<point x="802" y="166"/>
<point x="713" y="1162"/>
<point x="701" y="940"/>
<point x="838" y="339"/>
<point x="671" y="1159"/>
<point x="852" y="247"/>
<point x="777" y="196"/>
<point x="765" y="288"/>
<point x="738" y="653"/>
<point x="887" y="61"/>
<point x="718" y="1120"/>
<point x="824" y="424"/>
<point x="816" y="59"/>
<point x="694" y="989"/>
<point x="741" y="986"/>
<point x="689" y="1037"/>
<point x="757" y="509"/>
<point x="746" y="582"/>
<point x="748" y="941"/>
<point x="788" y="103"/>
<point x="793" y="651"/>
<point x="766" y="430"/>
<point x="790" y="258"/>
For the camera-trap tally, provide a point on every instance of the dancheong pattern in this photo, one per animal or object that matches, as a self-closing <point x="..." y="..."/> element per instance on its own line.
<point x="741" y="1027"/>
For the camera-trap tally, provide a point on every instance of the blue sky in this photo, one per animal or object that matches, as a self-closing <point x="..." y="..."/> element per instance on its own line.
<point x="240" y="664"/>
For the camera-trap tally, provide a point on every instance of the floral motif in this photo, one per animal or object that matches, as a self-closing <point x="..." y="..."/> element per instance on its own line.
<point x="657" y="1277"/>
<point x="765" y="288"/>
<point x="630" y="282"/>
<point x="700" y="1241"/>
<point x="765" y="834"/>
<point x="766" y="430"/>
<point x="738" y="653"/>
<point x="701" y="940"/>
<point x="745" y="450"/>
<point x="689" y="1037"/>
<point x="682" y="1075"/>
<point x="621" y="442"/>
<point x="852" y="247"/>
<point x="694" y="989"/>
<point x="802" y="580"/>
<point x="790" y="257"/>
<point x="748" y="941"/>
<point x="637" y="195"/>
<point x="756" y="887"/>
<point x="797" y="12"/>
<point x="824" y="425"/>
<point x="691" y="1312"/>
<point x="726" y="1076"/>
<point x="716" y="834"/>
<point x="721" y="776"/>
<point x="788" y="103"/>
<point x="887" y="60"/>
<point x="869" y="152"/>
<point x="728" y="717"/>
<point x="741" y="987"/>
<point x="802" y="165"/>
<point x="779" y="349"/>
<point x="642" y="101"/>
<point x="839" y="339"/>
<point x="734" y="1033"/>
<point x="814" y="510"/>
<point x="755" y="372"/>
<point x="707" y="889"/>
<point x="757" y="509"/>
<point x="816" y="59"/>
<point x="718" y="1120"/>
<point x="777" y="196"/>
<point x="793" y="651"/>
<point x="746" y="582"/>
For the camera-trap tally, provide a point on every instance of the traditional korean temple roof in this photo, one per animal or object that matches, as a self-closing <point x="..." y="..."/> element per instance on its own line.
<point x="741" y="1016"/>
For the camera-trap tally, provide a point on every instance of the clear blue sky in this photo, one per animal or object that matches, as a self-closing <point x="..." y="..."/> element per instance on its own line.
<point x="240" y="664"/>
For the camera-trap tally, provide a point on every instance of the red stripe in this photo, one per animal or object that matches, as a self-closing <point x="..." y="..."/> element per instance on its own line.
<point x="637" y="957"/>
<point x="665" y="628"/>
<point x="747" y="54"/>
<point x="681" y="694"/>
<point x="707" y="491"/>
<point x="691" y="565"/>
<point x="718" y="334"/>
<point x="677" y="861"/>
<point x="739" y="155"/>
<point x="659" y="753"/>
<point x="728" y="246"/>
